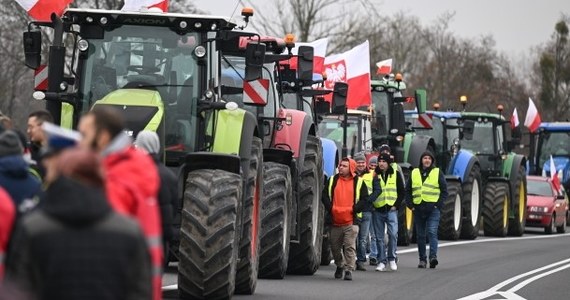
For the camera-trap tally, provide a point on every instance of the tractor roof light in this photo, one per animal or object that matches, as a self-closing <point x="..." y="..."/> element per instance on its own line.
<point x="398" y="77"/>
<point x="463" y="99"/>
<point x="500" y="108"/>
<point x="436" y="106"/>
<point x="289" y="41"/>
<point x="247" y="12"/>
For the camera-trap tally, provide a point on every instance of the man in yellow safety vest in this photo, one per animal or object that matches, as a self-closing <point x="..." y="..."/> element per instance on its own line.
<point x="365" y="224"/>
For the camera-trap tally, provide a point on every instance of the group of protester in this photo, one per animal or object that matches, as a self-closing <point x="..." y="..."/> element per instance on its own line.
<point x="364" y="199"/>
<point x="85" y="215"/>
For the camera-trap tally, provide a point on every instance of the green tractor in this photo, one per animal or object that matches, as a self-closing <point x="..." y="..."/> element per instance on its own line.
<point x="163" y="71"/>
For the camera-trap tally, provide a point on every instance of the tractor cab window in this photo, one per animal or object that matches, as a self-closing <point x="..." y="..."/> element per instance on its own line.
<point x="483" y="138"/>
<point x="381" y="107"/>
<point x="331" y="128"/>
<point x="553" y="143"/>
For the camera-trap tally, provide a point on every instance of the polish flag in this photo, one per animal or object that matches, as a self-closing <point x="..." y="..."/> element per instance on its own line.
<point x="532" y="120"/>
<point x="136" y="5"/>
<point x="515" y="119"/>
<point x="41" y="10"/>
<point x="320" y="47"/>
<point x="554" y="175"/>
<point x="384" y="67"/>
<point x="352" y="67"/>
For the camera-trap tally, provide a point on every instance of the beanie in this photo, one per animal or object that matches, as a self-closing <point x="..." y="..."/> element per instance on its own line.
<point x="373" y="160"/>
<point x="385" y="157"/>
<point x="148" y="141"/>
<point x="359" y="157"/>
<point x="10" y="144"/>
<point x="384" y="148"/>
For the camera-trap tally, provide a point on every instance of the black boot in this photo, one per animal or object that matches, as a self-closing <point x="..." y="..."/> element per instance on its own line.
<point x="433" y="262"/>
<point x="347" y="275"/>
<point x="338" y="273"/>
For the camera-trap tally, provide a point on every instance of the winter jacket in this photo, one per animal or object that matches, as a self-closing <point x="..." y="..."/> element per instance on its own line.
<point x="132" y="188"/>
<point x="426" y="206"/>
<point x="75" y="247"/>
<point x="358" y="206"/>
<point x="17" y="180"/>
<point x="8" y="213"/>
<point x="400" y="187"/>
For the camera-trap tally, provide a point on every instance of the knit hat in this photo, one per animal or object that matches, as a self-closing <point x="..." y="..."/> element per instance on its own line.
<point x="373" y="160"/>
<point x="10" y="144"/>
<point x="385" y="157"/>
<point x="384" y="148"/>
<point x="148" y="141"/>
<point x="359" y="157"/>
<point x="427" y="153"/>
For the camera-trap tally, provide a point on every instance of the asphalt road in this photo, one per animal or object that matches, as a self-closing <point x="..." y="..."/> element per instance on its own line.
<point x="535" y="266"/>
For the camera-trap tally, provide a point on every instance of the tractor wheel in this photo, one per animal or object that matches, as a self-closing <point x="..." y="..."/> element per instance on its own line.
<point x="471" y="204"/>
<point x="246" y="276"/>
<point x="326" y="252"/>
<point x="562" y="227"/>
<point x="275" y="221"/>
<point x="305" y="256"/>
<point x="496" y="209"/>
<point x="208" y="235"/>
<point x="450" y="222"/>
<point x="517" y="224"/>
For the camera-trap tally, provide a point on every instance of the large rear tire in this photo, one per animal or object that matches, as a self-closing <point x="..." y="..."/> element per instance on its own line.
<point x="518" y="199"/>
<point x="275" y="221"/>
<point x="248" y="264"/>
<point x="450" y="222"/>
<point x="326" y="252"/>
<point x="208" y="235"/>
<point x="305" y="256"/>
<point x="472" y="204"/>
<point x="496" y="209"/>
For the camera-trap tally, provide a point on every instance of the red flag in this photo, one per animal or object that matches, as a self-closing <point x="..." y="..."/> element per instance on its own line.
<point x="532" y="120"/>
<point x="320" y="47"/>
<point x="352" y="67"/>
<point x="136" y="5"/>
<point x="554" y="175"/>
<point x="384" y="67"/>
<point x="515" y="119"/>
<point x="41" y="10"/>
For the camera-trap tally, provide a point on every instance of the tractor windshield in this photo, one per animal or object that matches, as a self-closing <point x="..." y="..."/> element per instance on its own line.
<point x="553" y="143"/>
<point x="483" y="138"/>
<point x="331" y="128"/>
<point x="382" y="112"/>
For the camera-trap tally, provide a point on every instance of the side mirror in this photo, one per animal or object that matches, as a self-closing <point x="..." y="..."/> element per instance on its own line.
<point x="421" y="100"/>
<point x="322" y="107"/>
<point x="468" y="129"/>
<point x="254" y="56"/>
<point x="33" y="48"/>
<point x="305" y="63"/>
<point x="339" y="98"/>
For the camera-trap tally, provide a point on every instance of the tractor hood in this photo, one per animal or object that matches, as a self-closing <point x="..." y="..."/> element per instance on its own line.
<point x="561" y="163"/>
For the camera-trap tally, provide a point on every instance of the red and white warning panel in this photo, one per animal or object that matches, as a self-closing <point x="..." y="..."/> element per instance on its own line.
<point x="425" y="120"/>
<point x="41" y="78"/>
<point x="255" y="92"/>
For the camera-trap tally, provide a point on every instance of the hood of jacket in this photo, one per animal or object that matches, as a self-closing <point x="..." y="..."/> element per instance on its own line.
<point x="427" y="153"/>
<point x="74" y="203"/>
<point x="14" y="166"/>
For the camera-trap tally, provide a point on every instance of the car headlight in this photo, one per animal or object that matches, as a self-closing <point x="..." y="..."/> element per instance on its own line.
<point x="538" y="209"/>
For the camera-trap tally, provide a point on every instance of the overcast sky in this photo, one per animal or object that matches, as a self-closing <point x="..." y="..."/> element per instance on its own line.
<point x="516" y="25"/>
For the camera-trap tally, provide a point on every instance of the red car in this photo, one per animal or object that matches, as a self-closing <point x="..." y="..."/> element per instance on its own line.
<point x="545" y="206"/>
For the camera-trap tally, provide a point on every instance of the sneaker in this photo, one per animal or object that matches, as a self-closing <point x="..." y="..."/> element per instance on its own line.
<point x="422" y="264"/>
<point x="433" y="262"/>
<point x="373" y="261"/>
<point x="393" y="265"/>
<point x="360" y="266"/>
<point x="347" y="275"/>
<point x="381" y="267"/>
<point x="338" y="273"/>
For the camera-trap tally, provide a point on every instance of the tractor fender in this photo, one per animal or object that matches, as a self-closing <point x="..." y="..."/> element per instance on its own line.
<point x="330" y="156"/>
<point x="293" y="137"/>
<point x="461" y="164"/>
<point x="420" y="143"/>
<point x="452" y="178"/>
<point x="281" y="156"/>
<point x="511" y="166"/>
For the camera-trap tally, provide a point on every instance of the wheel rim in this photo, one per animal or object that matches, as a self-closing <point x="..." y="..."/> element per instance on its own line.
<point x="475" y="202"/>
<point x="505" y="211"/>
<point x="457" y="212"/>
<point x="522" y="205"/>
<point x="409" y="218"/>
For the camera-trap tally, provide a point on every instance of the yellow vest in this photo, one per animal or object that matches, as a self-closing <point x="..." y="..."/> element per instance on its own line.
<point x="389" y="190"/>
<point x="429" y="190"/>
<point x="367" y="178"/>
<point x="358" y="187"/>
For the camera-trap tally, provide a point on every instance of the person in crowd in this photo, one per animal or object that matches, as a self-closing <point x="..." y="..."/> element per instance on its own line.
<point x="37" y="137"/>
<point x="74" y="246"/>
<point x="8" y="213"/>
<point x="365" y="220"/>
<point x="425" y="194"/>
<point x="168" y="198"/>
<point x="385" y="215"/>
<point x="371" y="239"/>
<point x="131" y="178"/>
<point x="361" y="167"/>
<point x="344" y="197"/>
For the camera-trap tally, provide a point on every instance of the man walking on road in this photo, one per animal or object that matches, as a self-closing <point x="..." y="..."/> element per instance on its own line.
<point x="425" y="194"/>
<point x="385" y="213"/>
<point x="365" y="224"/>
<point x="344" y="197"/>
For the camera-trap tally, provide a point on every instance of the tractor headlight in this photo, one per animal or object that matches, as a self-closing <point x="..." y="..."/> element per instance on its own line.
<point x="82" y="45"/>
<point x="200" y="51"/>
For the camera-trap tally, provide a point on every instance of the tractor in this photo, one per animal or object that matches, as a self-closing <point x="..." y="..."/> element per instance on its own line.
<point x="164" y="72"/>
<point x="552" y="138"/>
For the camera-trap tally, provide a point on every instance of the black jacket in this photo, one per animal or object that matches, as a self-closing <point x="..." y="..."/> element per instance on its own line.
<point x="167" y="198"/>
<point x="75" y="247"/>
<point x="400" y="188"/>
<point x="358" y="206"/>
<point x="426" y="205"/>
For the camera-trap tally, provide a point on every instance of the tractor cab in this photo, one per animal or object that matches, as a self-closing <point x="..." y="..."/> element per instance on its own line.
<point x="553" y="139"/>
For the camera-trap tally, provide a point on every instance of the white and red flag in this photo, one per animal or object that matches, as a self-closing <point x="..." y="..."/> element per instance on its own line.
<point x="554" y="175"/>
<point x="352" y="67"/>
<point x="136" y="5"/>
<point x="515" y="119"/>
<point x="41" y="10"/>
<point x="320" y="48"/>
<point x="532" y="120"/>
<point x="384" y="67"/>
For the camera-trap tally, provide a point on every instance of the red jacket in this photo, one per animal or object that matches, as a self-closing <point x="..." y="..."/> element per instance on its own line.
<point x="7" y="213"/>
<point x="132" y="184"/>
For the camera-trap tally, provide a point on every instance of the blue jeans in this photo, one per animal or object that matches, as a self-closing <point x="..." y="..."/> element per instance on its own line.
<point x="363" y="231"/>
<point x="373" y="247"/>
<point x="389" y="219"/>
<point x="427" y="222"/>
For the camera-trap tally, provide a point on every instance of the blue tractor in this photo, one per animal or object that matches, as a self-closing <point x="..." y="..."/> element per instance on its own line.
<point x="551" y="139"/>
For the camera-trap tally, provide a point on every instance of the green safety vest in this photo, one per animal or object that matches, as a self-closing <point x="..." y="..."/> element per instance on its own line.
<point x="367" y="178"/>
<point x="429" y="190"/>
<point x="358" y="187"/>
<point x="389" y="190"/>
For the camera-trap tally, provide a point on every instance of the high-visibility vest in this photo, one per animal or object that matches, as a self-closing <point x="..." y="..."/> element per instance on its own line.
<point x="429" y="190"/>
<point x="357" y="192"/>
<point x="389" y="190"/>
<point x="368" y="178"/>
